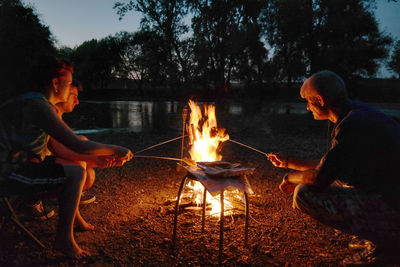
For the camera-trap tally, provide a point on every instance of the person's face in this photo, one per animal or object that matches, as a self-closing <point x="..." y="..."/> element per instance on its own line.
<point x="72" y="100"/>
<point x="315" y="103"/>
<point x="62" y="86"/>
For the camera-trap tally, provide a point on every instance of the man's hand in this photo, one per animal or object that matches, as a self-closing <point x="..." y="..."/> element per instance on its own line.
<point x="287" y="187"/>
<point x="277" y="160"/>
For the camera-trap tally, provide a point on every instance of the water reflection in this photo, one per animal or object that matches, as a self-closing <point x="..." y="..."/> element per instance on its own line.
<point x="133" y="116"/>
<point x="164" y="116"/>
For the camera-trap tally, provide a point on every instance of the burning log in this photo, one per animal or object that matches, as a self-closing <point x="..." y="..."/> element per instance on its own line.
<point x="193" y="133"/>
<point x="189" y="131"/>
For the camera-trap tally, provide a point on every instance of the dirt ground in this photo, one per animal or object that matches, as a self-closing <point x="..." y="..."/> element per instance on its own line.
<point x="134" y="223"/>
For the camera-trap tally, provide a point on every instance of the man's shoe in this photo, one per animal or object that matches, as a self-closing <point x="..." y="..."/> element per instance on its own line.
<point x="37" y="212"/>
<point x="363" y="256"/>
<point x="357" y="243"/>
<point x="374" y="256"/>
<point x="87" y="199"/>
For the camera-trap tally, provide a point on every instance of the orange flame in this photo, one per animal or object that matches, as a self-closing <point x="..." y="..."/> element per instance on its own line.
<point x="205" y="134"/>
<point x="205" y="139"/>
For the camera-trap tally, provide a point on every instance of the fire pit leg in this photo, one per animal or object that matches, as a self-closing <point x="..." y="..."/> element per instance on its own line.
<point x="203" y="220"/>
<point x="177" y="210"/>
<point x="221" y="229"/>
<point x="246" y="226"/>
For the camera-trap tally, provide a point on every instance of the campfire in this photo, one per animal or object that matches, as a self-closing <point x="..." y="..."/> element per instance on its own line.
<point x="210" y="177"/>
<point x="215" y="186"/>
<point x="205" y="140"/>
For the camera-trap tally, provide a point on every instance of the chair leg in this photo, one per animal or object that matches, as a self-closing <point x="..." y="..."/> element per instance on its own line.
<point x="3" y="221"/>
<point x="14" y="218"/>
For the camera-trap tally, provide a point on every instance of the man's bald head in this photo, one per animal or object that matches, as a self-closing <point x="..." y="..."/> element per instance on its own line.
<point x="328" y="85"/>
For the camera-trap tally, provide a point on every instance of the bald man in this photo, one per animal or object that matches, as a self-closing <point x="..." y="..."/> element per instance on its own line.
<point x="355" y="186"/>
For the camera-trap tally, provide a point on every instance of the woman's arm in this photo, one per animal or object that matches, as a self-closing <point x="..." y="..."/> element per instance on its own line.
<point x="48" y="120"/>
<point x="61" y="151"/>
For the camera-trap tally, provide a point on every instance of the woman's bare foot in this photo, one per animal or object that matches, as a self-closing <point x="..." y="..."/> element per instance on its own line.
<point x="71" y="249"/>
<point x="83" y="226"/>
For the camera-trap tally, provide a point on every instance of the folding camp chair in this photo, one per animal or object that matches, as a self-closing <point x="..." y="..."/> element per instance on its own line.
<point x="10" y="214"/>
<point x="9" y="160"/>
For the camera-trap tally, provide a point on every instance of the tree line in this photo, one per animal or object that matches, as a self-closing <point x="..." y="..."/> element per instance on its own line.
<point x="254" y="43"/>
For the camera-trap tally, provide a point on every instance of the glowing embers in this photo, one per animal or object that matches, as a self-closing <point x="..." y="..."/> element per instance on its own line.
<point x="233" y="199"/>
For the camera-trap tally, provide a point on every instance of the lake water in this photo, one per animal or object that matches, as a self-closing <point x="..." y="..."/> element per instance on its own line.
<point x="166" y="116"/>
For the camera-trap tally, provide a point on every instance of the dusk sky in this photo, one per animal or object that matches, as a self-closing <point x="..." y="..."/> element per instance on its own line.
<point x="74" y="21"/>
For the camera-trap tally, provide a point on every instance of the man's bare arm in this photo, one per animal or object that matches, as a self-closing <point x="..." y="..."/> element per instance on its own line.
<point x="294" y="164"/>
<point x="309" y="177"/>
<point x="302" y="177"/>
<point x="302" y="165"/>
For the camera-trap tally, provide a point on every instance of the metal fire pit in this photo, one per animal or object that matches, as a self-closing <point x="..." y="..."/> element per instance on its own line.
<point x="217" y="182"/>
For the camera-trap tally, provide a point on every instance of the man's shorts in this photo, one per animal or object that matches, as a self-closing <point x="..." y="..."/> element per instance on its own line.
<point x="37" y="177"/>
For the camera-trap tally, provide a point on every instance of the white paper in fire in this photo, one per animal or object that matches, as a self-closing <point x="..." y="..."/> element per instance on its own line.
<point x="218" y="175"/>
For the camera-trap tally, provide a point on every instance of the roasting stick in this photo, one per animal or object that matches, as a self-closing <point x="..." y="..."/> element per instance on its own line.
<point x="187" y="161"/>
<point x="156" y="157"/>
<point x="249" y="147"/>
<point x="162" y="143"/>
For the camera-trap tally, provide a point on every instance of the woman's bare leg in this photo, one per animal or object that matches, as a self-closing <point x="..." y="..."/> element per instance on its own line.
<point x="69" y="202"/>
<point x="81" y="224"/>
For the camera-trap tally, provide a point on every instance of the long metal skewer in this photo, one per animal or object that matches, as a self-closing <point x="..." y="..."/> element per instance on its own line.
<point x="249" y="147"/>
<point x="162" y="143"/>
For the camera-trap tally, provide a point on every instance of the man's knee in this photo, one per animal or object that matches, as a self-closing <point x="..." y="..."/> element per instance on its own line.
<point x="90" y="178"/>
<point x="82" y="137"/>
<point x="300" y="197"/>
<point x="83" y="164"/>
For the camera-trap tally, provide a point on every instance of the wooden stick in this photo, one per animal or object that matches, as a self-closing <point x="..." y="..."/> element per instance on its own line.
<point x="186" y="160"/>
<point x="156" y="157"/>
<point x="162" y="143"/>
<point x="249" y="147"/>
<point x="184" y="115"/>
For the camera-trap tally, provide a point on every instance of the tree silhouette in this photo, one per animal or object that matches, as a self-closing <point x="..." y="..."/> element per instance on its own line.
<point x="394" y="62"/>
<point x="24" y="40"/>
<point x="310" y="35"/>
<point x="227" y="45"/>
<point x="165" y="18"/>
<point x="96" y="61"/>
<point x="142" y="59"/>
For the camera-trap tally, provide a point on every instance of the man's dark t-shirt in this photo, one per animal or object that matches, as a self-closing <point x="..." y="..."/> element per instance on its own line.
<point x="365" y="152"/>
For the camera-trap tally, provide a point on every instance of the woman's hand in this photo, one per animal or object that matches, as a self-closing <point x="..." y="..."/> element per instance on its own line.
<point x="101" y="162"/>
<point x="121" y="156"/>
<point x="277" y="160"/>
